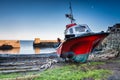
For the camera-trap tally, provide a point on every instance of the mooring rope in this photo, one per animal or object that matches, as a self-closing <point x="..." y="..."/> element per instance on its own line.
<point x="48" y="64"/>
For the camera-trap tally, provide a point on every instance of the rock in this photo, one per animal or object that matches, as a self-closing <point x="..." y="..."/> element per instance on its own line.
<point x="6" y="47"/>
<point x="104" y="55"/>
<point x="112" y="41"/>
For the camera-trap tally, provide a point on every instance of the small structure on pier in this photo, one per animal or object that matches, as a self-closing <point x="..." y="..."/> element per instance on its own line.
<point x="37" y="41"/>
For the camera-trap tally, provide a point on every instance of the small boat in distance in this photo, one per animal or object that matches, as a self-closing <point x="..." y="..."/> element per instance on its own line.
<point x="79" y="41"/>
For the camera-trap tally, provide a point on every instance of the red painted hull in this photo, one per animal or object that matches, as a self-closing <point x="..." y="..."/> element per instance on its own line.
<point x="81" y="45"/>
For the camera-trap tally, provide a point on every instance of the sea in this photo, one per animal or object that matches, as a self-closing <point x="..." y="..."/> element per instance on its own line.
<point x="26" y="47"/>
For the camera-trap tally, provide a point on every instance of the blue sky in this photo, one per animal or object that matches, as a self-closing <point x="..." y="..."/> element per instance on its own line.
<point x="27" y="19"/>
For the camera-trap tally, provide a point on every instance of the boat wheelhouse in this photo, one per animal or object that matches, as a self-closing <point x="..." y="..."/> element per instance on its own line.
<point x="74" y="30"/>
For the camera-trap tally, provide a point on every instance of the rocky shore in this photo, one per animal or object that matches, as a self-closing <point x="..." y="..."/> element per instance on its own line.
<point x="33" y="62"/>
<point x="11" y="63"/>
<point x="28" y="59"/>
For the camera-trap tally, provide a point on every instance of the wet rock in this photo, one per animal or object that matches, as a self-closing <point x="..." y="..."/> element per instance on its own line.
<point x="6" y="47"/>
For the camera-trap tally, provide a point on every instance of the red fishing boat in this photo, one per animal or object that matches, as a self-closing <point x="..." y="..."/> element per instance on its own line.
<point x="79" y="41"/>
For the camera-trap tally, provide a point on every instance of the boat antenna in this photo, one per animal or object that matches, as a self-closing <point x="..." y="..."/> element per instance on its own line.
<point x="70" y="16"/>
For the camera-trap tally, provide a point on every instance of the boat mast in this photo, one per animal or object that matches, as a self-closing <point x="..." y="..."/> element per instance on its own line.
<point x="72" y="19"/>
<point x="70" y="16"/>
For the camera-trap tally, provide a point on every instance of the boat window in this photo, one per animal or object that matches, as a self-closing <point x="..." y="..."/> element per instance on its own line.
<point x="71" y="31"/>
<point x="80" y="29"/>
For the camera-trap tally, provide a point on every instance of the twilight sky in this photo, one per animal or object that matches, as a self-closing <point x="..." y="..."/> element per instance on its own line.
<point x="27" y="19"/>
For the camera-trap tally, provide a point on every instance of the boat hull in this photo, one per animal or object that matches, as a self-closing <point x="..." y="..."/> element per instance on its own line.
<point x="78" y="48"/>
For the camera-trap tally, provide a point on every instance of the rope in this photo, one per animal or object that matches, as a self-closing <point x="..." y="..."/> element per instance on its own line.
<point x="48" y="64"/>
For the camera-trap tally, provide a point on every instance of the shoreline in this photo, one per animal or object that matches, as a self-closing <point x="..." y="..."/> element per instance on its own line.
<point x="31" y="63"/>
<point x="23" y="57"/>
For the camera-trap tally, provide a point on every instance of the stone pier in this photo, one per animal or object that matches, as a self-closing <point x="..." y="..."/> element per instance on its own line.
<point x="44" y="43"/>
<point x="9" y="44"/>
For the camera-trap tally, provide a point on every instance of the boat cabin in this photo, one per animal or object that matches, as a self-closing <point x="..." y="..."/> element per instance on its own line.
<point x="75" y="30"/>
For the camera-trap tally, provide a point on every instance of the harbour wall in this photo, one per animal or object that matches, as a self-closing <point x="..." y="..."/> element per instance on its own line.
<point x="9" y="44"/>
<point x="45" y="43"/>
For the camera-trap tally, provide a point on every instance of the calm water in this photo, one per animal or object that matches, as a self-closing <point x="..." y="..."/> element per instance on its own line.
<point x="27" y="48"/>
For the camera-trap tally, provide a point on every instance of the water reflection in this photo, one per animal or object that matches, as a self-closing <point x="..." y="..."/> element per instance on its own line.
<point x="12" y="51"/>
<point x="28" y="51"/>
<point x="37" y="50"/>
<point x="26" y="47"/>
